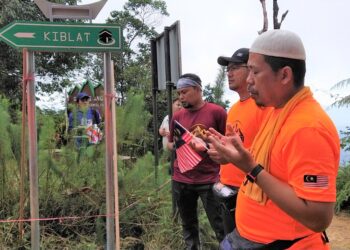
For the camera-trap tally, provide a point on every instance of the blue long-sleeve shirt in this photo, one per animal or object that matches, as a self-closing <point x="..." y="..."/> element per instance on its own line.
<point x="92" y="116"/>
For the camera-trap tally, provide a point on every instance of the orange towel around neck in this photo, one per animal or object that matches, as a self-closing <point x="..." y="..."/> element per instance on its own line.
<point x="265" y="139"/>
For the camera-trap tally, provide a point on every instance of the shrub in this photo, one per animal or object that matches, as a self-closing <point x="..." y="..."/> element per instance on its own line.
<point x="343" y="188"/>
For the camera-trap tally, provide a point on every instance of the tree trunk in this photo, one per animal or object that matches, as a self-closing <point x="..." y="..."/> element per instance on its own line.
<point x="266" y="22"/>
<point x="276" y="24"/>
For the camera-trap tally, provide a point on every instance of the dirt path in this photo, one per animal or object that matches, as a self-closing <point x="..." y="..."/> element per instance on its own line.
<point x="339" y="232"/>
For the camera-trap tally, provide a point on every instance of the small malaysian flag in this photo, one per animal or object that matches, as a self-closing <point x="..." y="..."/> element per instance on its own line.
<point x="187" y="157"/>
<point x="316" y="181"/>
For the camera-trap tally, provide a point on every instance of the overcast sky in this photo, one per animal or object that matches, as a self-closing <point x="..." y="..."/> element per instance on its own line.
<point x="213" y="28"/>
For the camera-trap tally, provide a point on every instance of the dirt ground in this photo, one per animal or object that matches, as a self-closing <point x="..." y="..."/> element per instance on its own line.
<point x="339" y="232"/>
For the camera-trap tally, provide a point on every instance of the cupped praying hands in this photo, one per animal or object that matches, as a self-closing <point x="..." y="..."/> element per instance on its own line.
<point x="229" y="149"/>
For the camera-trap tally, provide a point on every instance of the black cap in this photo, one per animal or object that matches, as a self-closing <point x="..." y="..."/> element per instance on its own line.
<point x="240" y="56"/>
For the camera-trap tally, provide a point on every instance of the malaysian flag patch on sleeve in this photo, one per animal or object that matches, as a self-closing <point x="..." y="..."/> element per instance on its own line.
<point x="316" y="181"/>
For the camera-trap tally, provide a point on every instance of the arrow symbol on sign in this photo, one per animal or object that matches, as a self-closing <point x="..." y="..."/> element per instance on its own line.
<point x="24" y="35"/>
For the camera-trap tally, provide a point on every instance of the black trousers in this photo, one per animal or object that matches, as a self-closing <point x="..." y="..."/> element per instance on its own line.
<point x="228" y="210"/>
<point x="186" y="196"/>
<point x="234" y="241"/>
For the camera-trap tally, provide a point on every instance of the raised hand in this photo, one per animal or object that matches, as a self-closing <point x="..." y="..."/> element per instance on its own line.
<point x="198" y="144"/>
<point x="164" y="132"/>
<point x="229" y="148"/>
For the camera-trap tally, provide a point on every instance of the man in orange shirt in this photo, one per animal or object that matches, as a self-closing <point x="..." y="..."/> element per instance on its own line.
<point x="288" y="196"/>
<point x="245" y="117"/>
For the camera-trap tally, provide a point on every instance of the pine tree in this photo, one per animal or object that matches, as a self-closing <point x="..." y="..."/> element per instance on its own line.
<point x="215" y="94"/>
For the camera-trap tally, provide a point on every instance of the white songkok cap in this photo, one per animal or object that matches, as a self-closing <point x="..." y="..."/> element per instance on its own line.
<point x="279" y="43"/>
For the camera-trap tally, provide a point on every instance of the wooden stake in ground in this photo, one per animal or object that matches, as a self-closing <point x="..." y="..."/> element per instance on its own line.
<point x="23" y="144"/>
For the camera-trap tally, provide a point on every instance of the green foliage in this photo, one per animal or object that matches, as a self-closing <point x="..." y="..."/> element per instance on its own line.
<point x="343" y="188"/>
<point x="141" y="176"/>
<point x="139" y="18"/>
<point x="54" y="65"/>
<point x="132" y="123"/>
<point x="57" y="67"/>
<point x="8" y="162"/>
<point x="5" y="151"/>
<point x="47" y="132"/>
<point x="67" y="187"/>
<point x="344" y="101"/>
<point x="343" y="178"/>
<point x="215" y="94"/>
<point x="345" y="139"/>
<point x="72" y="184"/>
<point x="146" y="210"/>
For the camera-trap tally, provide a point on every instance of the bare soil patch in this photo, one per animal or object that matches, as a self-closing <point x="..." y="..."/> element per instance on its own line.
<point x="339" y="232"/>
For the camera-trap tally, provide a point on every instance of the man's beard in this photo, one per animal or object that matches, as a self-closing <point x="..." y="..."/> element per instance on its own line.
<point x="187" y="105"/>
<point x="261" y="105"/>
<point x="258" y="103"/>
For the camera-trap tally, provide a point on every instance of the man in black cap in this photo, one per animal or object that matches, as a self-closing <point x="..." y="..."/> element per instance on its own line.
<point x="245" y="117"/>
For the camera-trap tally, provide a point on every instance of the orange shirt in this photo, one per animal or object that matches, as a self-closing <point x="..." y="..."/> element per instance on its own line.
<point x="246" y="117"/>
<point x="307" y="146"/>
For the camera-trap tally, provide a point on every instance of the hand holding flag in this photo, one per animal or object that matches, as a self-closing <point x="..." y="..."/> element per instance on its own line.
<point x="187" y="157"/>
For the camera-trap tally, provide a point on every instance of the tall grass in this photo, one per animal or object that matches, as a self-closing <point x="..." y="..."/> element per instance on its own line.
<point x="72" y="193"/>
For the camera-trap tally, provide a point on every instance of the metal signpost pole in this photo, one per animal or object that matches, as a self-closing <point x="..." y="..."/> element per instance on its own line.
<point x="23" y="145"/>
<point x="109" y="151"/>
<point x="33" y="168"/>
<point x="169" y="88"/>
<point x="43" y="36"/>
<point x="154" y="108"/>
<point x="166" y="70"/>
<point x="169" y="84"/>
<point x="115" y="165"/>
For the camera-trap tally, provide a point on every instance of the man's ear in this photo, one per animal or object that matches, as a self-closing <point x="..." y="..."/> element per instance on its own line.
<point x="286" y="75"/>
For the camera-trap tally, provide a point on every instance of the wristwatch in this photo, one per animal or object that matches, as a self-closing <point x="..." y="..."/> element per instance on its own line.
<point x="251" y="176"/>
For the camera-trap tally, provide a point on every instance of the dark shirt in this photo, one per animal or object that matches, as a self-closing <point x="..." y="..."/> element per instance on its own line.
<point x="197" y="122"/>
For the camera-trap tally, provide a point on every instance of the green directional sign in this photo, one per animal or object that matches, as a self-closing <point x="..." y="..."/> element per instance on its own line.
<point x="52" y="36"/>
